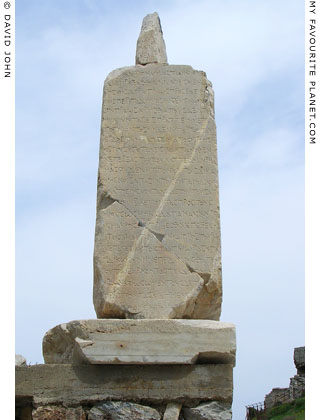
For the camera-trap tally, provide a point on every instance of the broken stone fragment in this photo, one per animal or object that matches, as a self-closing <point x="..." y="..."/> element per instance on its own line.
<point x="117" y="341"/>
<point x="172" y="411"/>
<point x="114" y="410"/>
<point x="58" y="413"/>
<point x="150" y="45"/>
<point x="209" y="411"/>
<point x="20" y="360"/>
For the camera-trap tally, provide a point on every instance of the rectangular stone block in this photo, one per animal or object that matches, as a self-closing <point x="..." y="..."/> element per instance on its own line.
<point x="172" y="411"/>
<point x="157" y="240"/>
<point x="119" y="341"/>
<point x="71" y="385"/>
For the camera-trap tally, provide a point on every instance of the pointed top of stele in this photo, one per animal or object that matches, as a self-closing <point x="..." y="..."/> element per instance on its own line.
<point x="150" y="45"/>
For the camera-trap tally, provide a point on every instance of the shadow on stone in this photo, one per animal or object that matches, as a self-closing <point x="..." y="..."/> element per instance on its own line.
<point x="24" y="408"/>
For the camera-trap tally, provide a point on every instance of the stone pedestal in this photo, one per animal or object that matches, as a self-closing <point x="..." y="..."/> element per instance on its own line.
<point x="152" y="386"/>
<point x="117" y="341"/>
<point x="71" y="385"/>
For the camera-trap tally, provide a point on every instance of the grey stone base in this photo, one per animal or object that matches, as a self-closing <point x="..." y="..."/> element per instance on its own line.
<point x="75" y="385"/>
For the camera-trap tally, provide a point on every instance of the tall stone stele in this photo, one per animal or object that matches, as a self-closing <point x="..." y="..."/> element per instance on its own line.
<point x="157" y="260"/>
<point x="157" y="242"/>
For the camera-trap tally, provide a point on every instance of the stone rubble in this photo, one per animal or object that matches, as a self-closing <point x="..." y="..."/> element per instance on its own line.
<point x="112" y="410"/>
<point x="58" y="413"/>
<point x="209" y="411"/>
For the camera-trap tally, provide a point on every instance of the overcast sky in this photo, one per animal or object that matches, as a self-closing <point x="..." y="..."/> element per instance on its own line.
<point x="253" y="53"/>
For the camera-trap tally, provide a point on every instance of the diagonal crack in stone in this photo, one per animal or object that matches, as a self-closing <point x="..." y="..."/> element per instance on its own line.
<point x="110" y="200"/>
<point x="107" y="200"/>
<point x="205" y="276"/>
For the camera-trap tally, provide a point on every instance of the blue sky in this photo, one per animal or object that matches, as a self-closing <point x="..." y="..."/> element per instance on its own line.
<point x="253" y="53"/>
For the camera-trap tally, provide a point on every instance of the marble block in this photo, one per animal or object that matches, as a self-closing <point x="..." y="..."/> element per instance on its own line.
<point x="117" y="341"/>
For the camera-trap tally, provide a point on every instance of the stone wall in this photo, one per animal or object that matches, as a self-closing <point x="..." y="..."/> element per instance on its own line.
<point x="277" y="395"/>
<point x="296" y="387"/>
<point x="119" y="410"/>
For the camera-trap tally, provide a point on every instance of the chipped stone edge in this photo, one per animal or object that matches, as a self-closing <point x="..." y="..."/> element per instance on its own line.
<point x="72" y="348"/>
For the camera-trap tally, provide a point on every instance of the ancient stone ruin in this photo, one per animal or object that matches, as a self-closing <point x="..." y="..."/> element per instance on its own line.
<point x="296" y="388"/>
<point x="279" y="396"/>
<point x="157" y="349"/>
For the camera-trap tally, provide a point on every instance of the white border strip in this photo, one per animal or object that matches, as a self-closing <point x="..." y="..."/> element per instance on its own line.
<point x="312" y="184"/>
<point x="7" y="219"/>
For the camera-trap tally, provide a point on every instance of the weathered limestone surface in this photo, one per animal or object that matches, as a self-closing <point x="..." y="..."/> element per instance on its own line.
<point x="73" y="385"/>
<point x="209" y="411"/>
<point x="172" y="411"/>
<point x="58" y="413"/>
<point x="113" y="410"/>
<point x="145" y="280"/>
<point x="107" y="341"/>
<point x="157" y="241"/>
<point x="150" y="45"/>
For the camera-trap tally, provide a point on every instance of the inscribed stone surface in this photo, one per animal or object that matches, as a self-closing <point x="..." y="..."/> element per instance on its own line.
<point x="150" y="45"/>
<point x="157" y="243"/>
